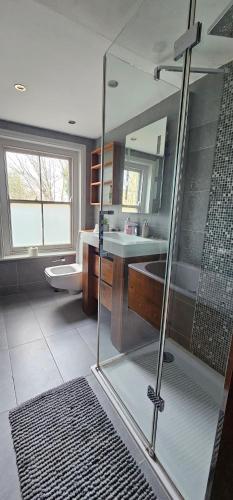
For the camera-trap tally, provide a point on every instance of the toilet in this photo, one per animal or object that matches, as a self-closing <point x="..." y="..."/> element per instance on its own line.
<point x="68" y="276"/>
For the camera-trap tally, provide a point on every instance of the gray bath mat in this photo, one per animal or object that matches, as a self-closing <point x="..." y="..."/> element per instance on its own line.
<point x="67" y="448"/>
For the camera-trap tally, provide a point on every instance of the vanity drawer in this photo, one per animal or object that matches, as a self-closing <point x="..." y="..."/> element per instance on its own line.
<point x="106" y="295"/>
<point x="106" y="292"/>
<point x="94" y="287"/>
<point x="106" y="270"/>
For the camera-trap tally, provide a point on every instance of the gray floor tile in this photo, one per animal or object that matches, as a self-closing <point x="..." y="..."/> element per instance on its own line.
<point x="88" y="333"/>
<point x="73" y="312"/>
<point x="41" y="297"/>
<point x="9" y="485"/>
<point x="51" y="318"/>
<point x="7" y="393"/>
<point x="34" y="369"/>
<point x="13" y="303"/>
<point x="72" y="355"/>
<point x="22" y="327"/>
<point x="63" y="297"/>
<point x="3" y="337"/>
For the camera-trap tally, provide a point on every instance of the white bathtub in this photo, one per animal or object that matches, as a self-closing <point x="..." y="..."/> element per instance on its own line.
<point x="184" y="277"/>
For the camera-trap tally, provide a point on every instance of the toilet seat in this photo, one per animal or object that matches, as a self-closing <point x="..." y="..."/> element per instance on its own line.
<point x="67" y="277"/>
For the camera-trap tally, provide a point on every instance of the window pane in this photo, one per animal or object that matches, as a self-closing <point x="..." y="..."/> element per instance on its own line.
<point x="57" y="224"/>
<point x="26" y="222"/>
<point x="55" y="179"/>
<point x="131" y="188"/>
<point x="23" y="171"/>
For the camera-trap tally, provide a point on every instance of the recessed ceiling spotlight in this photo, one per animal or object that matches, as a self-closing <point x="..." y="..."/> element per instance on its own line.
<point x="133" y="138"/>
<point x="72" y="122"/>
<point x="113" y="84"/>
<point x="20" y="87"/>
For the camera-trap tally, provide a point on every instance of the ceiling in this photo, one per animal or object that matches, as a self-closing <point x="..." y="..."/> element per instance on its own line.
<point x="56" y="48"/>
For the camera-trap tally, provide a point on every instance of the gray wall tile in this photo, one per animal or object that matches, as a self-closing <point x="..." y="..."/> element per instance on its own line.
<point x="8" y="274"/>
<point x="198" y="170"/>
<point x="190" y="247"/>
<point x="194" y="210"/>
<point x="202" y="137"/>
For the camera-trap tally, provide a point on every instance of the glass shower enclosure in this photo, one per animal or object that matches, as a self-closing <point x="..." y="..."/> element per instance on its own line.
<point x="160" y="355"/>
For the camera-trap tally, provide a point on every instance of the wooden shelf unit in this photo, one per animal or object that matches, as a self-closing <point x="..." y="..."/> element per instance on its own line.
<point x="110" y="175"/>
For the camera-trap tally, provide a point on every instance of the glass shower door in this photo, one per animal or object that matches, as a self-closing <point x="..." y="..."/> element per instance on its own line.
<point x="141" y="116"/>
<point x="199" y="325"/>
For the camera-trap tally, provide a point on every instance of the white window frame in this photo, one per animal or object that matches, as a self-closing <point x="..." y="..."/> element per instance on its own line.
<point x="77" y="156"/>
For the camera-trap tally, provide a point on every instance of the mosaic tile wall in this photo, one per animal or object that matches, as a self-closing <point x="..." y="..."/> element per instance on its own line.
<point x="213" y="317"/>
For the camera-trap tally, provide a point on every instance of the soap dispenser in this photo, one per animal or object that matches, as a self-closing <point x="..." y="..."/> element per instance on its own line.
<point x="127" y="226"/>
<point x="145" y="229"/>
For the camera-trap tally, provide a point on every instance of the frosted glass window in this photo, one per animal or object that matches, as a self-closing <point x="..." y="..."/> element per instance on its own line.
<point x="26" y="224"/>
<point x="56" y="224"/>
<point x="41" y="185"/>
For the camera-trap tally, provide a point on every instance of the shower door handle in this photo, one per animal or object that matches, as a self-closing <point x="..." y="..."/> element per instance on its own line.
<point x="102" y="213"/>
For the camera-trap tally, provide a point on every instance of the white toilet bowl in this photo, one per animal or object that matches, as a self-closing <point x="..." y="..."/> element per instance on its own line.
<point x="68" y="276"/>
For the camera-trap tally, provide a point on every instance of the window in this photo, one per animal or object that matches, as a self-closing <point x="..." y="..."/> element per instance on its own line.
<point x="39" y="193"/>
<point x="132" y="190"/>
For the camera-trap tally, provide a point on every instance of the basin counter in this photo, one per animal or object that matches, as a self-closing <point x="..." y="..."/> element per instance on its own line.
<point x="122" y="250"/>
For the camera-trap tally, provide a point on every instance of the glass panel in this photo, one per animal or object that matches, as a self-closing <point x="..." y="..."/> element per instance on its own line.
<point x="23" y="172"/>
<point x="199" y="325"/>
<point x="55" y="179"/>
<point x="26" y="224"/>
<point x="141" y="119"/>
<point x="55" y="214"/>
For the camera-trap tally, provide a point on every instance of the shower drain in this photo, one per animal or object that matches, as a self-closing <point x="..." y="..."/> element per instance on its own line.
<point x="168" y="357"/>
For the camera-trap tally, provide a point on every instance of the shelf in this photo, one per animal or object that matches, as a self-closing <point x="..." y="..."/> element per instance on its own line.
<point x="110" y="174"/>
<point x="96" y="167"/>
<point x="108" y="147"/>
<point x="108" y="163"/>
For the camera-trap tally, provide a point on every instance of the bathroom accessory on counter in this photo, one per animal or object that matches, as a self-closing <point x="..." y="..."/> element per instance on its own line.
<point x="131" y="227"/>
<point x="145" y="229"/>
<point x="96" y="228"/>
<point x="33" y="251"/>
<point x="106" y="225"/>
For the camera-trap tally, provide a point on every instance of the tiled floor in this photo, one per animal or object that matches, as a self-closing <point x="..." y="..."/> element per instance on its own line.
<point x="45" y="339"/>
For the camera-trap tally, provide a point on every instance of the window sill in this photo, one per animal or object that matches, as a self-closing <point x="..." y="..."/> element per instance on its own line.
<point x="40" y="255"/>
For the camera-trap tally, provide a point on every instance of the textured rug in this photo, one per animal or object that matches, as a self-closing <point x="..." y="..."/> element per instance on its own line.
<point x="67" y="448"/>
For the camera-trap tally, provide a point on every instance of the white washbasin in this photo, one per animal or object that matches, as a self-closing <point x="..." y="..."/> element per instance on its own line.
<point x="125" y="245"/>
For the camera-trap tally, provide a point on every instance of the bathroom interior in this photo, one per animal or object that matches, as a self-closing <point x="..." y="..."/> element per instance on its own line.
<point x="116" y="244"/>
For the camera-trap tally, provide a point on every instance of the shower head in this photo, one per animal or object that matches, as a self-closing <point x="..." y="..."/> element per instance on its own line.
<point x="223" y="25"/>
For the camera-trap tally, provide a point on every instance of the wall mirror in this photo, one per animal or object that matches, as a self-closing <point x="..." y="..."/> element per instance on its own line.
<point x="143" y="168"/>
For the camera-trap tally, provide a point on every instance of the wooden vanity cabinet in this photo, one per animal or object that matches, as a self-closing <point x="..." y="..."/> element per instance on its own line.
<point x="115" y="293"/>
